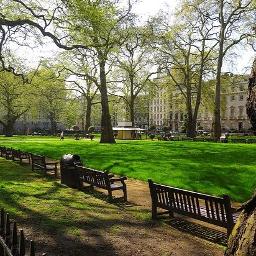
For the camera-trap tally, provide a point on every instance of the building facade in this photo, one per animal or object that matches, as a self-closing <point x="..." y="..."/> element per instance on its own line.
<point x="168" y="109"/>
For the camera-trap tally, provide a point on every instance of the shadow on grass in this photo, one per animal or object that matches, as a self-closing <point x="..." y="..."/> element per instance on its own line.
<point x="81" y="227"/>
<point x="197" y="230"/>
<point x="211" y="168"/>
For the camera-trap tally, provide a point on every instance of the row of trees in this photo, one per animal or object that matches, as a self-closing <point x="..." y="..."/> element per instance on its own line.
<point x="107" y="50"/>
<point x="43" y="94"/>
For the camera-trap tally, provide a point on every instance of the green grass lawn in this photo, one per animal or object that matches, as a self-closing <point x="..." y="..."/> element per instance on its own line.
<point x="211" y="168"/>
<point x="65" y="221"/>
<point x="53" y="214"/>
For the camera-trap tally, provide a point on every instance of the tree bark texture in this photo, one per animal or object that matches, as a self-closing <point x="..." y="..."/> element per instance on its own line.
<point x="242" y="241"/>
<point x="9" y="128"/>
<point x="132" y="113"/>
<point x="53" y="123"/>
<point x="107" y="135"/>
<point x="88" y="114"/>
<point x="251" y="100"/>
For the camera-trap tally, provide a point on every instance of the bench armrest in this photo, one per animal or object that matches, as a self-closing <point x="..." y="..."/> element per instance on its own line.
<point x="51" y="163"/>
<point x="122" y="179"/>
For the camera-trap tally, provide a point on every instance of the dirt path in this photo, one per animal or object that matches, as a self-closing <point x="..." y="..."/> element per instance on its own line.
<point x="165" y="239"/>
<point x="132" y="236"/>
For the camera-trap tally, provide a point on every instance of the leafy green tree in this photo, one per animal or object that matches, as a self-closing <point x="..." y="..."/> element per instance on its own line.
<point x="100" y="25"/>
<point x="49" y="96"/>
<point x="134" y="68"/>
<point x="77" y="24"/>
<point x="185" y="55"/>
<point x="234" y="21"/>
<point x="82" y="79"/>
<point x="14" y="100"/>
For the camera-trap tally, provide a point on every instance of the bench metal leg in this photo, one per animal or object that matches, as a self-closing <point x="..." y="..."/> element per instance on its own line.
<point x="154" y="212"/>
<point x="125" y="193"/>
<point x="55" y="173"/>
<point x="171" y="214"/>
<point x="110" y="194"/>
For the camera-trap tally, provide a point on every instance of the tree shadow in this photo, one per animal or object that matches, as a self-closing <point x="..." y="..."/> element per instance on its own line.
<point x="206" y="233"/>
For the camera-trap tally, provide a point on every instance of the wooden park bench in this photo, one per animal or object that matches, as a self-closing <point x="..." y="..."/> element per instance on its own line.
<point x="207" y="139"/>
<point x="210" y="209"/>
<point x="103" y="180"/>
<point x="199" y="139"/>
<point x="39" y="162"/>
<point x="8" y="153"/>
<point x="233" y="140"/>
<point x="250" y="140"/>
<point x="2" y="151"/>
<point x="18" y="155"/>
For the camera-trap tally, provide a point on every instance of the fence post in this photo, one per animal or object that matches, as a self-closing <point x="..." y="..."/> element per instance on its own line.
<point x="22" y="244"/>
<point x="7" y="230"/>
<point x="14" y="247"/>
<point x="32" y="248"/>
<point x="2" y="221"/>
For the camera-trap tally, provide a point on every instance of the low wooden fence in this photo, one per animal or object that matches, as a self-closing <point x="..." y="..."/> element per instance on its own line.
<point x="12" y="242"/>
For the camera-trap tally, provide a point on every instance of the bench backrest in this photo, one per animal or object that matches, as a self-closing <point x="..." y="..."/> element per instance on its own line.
<point x="15" y="153"/>
<point x="215" y="210"/>
<point x="3" y="150"/>
<point x="95" y="177"/>
<point x="38" y="160"/>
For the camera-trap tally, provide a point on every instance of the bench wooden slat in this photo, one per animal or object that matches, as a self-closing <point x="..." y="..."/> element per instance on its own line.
<point x="39" y="162"/>
<point x="211" y="209"/>
<point x="103" y="180"/>
<point x="217" y="211"/>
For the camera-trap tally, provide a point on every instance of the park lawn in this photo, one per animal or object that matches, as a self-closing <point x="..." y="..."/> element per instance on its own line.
<point x="65" y="221"/>
<point x="212" y="168"/>
<point x="54" y="214"/>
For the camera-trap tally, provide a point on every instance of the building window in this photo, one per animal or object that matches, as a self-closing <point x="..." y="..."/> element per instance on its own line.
<point x="240" y="126"/>
<point x="170" y="115"/>
<point x="176" y="116"/>
<point x="232" y="97"/>
<point x="241" y="88"/>
<point x="241" y="111"/>
<point x="181" y="117"/>
<point x="232" y="112"/>
<point x="241" y="97"/>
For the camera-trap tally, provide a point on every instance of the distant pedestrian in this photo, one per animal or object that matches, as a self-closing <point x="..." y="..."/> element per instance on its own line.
<point x="62" y="135"/>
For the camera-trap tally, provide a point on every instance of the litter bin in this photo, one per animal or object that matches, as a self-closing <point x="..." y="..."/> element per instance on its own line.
<point x="69" y="170"/>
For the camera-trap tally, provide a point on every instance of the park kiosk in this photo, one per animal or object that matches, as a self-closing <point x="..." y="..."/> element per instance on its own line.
<point x="125" y="131"/>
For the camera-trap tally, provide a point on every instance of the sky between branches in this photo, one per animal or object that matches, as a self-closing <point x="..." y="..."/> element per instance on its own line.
<point x="145" y="9"/>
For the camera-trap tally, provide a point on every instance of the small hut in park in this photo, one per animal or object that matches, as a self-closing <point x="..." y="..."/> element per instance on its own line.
<point x="125" y="131"/>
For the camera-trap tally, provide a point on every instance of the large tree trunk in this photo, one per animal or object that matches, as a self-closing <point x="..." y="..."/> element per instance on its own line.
<point x="242" y="241"/>
<point x="251" y="100"/>
<point x="53" y="123"/>
<point x="88" y="114"/>
<point x="243" y="238"/>
<point x="191" y="127"/>
<point x="107" y="135"/>
<point x="191" y="123"/>
<point x="9" y="128"/>
<point x="217" y="102"/>
<point x="132" y="114"/>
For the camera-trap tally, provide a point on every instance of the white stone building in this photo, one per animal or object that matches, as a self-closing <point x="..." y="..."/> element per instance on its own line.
<point x="166" y="110"/>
